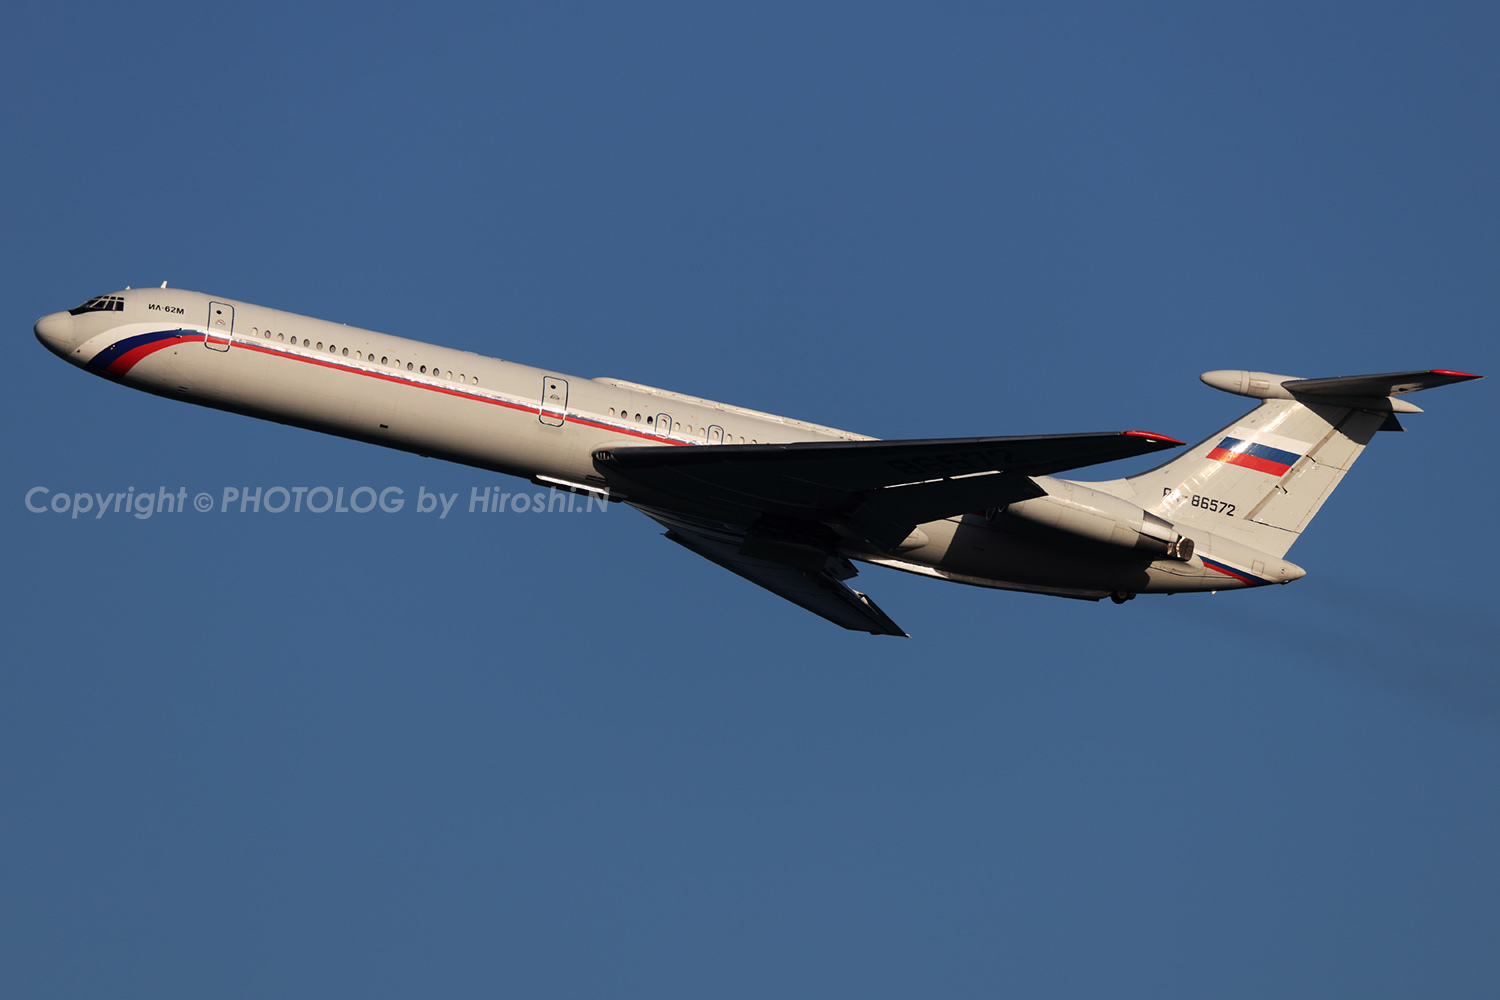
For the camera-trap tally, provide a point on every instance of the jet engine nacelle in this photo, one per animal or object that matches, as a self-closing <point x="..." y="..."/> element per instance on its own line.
<point x="1088" y="513"/>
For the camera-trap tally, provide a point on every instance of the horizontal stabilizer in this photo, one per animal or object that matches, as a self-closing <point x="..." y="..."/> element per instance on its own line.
<point x="1360" y="391"/>
<point x="1391" y="384"/>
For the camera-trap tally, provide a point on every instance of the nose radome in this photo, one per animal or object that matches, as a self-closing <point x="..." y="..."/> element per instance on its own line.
<point x="55" y="331"/>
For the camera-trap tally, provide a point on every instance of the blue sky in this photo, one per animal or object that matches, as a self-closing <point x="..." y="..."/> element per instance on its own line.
<point x="383" y="755"/>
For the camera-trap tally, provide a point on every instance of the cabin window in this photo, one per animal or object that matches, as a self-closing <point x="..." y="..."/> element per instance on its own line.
<point x="649" y="419"/>
<point x="385" y="361"/>
<point x="268" y="334"/>
<point x="424" y="369"/>
<point x="450" y="376"/>
<point x="408" y="366"/>
<point x="305" y="343"/>
<point x="475" y="379"/>
<point x="346" y="352"/>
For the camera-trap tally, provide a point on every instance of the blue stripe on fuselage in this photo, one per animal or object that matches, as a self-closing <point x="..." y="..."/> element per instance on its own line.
<point x="119" y="348"/>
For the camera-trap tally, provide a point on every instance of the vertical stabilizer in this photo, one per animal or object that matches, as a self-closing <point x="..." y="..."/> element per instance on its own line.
<point x="1260" y="480"/>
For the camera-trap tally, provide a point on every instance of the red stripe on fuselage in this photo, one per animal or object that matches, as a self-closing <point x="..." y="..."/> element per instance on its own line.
<point x="128" y="360"/>
<point x="1244" y="578"/>
<point x="136" y="355"/>
<point x="1228" y="572"/>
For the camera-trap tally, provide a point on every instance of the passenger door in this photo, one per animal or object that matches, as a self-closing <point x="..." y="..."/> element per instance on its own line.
<point x="220" y="326"/>
<point x="554" y="409"/>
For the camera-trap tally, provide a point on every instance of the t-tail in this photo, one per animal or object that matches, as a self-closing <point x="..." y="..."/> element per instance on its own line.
<point x="1260" y="480"/>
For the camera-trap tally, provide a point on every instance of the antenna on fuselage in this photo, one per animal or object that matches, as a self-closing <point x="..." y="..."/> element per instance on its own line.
<point x="164" y="284"/>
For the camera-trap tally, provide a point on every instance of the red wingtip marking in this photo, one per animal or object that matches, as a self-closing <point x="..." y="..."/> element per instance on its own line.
<point x="1152" y="437"/>
<point x="1444" y="371"/>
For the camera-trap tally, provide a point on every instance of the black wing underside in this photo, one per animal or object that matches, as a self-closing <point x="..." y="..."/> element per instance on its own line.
<point x="1389" y="384"/>
<point x="819" y="589"/>
<point x="776" y="514"/>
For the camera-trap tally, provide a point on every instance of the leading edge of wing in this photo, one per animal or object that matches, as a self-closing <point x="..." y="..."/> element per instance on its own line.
<point x="865" y="465"/>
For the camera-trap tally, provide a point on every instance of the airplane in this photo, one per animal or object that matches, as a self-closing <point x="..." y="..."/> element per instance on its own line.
<point x="786" y="504"/>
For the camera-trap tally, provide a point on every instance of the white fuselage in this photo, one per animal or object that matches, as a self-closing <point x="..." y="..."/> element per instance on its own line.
<point x="519" y="420"/>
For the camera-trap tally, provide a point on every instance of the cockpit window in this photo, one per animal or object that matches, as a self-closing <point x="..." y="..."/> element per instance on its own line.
<point x="101" y="303"/>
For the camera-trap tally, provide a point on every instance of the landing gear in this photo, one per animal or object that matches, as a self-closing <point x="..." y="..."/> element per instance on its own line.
<point x="1121" y="596"/>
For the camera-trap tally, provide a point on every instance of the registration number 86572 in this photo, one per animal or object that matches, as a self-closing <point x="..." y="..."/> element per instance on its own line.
<point x="1209" y="504"/>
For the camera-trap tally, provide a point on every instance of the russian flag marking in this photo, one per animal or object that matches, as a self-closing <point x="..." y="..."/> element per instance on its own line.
<point x="1250" y="455"/>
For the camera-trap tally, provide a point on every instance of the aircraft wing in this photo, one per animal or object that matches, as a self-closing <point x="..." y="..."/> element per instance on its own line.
<point x="820" y="590"/>
<point x="777" y="513"/>
<point x="877" y="490"/>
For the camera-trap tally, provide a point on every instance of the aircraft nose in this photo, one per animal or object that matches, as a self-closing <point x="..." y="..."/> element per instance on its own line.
<point x="55" y="331"/>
